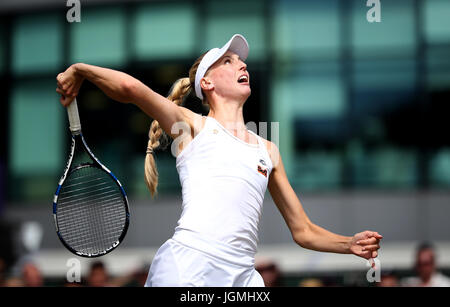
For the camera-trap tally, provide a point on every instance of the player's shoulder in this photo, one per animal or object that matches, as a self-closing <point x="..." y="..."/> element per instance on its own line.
<point x="189" y="115"/>
<point x="273" y="151"/>
<point x="270" y="145"/>
<point x="194" y="120"/>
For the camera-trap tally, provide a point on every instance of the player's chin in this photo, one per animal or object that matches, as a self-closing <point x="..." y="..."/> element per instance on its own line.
<point x="246" y="91"/>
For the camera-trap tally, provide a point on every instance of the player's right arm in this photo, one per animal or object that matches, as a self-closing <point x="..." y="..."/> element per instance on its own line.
<point x="124" y="88"/>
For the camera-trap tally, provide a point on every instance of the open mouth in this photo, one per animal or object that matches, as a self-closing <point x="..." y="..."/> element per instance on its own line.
<point x="243" y="79"/>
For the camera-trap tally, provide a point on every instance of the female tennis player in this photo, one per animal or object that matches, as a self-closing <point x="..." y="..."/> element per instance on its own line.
<point x="224" y="170"/>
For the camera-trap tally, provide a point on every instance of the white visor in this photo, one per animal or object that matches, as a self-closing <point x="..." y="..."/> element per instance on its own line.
<point x="237" y="44"/>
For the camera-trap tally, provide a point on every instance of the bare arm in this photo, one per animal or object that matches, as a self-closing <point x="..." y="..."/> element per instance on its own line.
<point x="124" y="88"/>
<point x="304" y="232"/>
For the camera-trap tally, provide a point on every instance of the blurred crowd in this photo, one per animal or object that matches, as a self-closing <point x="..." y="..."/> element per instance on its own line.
<point x="28" y="274"/>
<point x="426" y="269"/>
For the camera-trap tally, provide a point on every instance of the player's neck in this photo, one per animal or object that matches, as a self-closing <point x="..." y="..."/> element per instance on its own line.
<point x="229" y="116"/>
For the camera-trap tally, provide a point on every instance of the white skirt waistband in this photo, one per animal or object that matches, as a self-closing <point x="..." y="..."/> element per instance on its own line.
<point x="214" y="248"/>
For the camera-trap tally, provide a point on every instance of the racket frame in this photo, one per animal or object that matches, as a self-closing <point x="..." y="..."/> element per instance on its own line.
<point x="77" y="137"/>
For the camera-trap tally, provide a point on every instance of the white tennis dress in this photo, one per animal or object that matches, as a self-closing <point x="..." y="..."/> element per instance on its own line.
<point x="223" y="181"/>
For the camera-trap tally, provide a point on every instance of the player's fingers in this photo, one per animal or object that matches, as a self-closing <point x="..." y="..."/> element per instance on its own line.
<point x="68" y="84"/>
<point x="366" y="234"/>
<point x="66" y="93"/>
<point x="378" y="236"/>
<point x="365" y="254"/>
<point x="373" y="247"/>
<point x="63" y="82"/>
<point x="60" y="79"/>
<point x="372" y="233"/>
<point x="68" y="101"/>
<point x="374" y="254"/>
<point x="367" y="241"/>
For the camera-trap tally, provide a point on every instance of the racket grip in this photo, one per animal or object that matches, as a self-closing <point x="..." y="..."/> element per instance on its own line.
<point x="74" y="117"/>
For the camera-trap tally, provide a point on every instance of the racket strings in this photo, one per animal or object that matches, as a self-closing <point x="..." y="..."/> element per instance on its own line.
<point x="91" y="211"/>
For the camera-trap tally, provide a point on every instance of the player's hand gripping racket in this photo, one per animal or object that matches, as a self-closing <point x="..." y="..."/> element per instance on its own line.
<point x="90" y="206"/>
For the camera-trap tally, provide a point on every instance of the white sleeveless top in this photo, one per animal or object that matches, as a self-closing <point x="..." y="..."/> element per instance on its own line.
<point x="223" y="181"/>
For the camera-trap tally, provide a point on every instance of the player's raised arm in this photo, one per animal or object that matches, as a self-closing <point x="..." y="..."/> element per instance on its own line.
<point x="306" y="233"/>
<point x="124" y="88"/>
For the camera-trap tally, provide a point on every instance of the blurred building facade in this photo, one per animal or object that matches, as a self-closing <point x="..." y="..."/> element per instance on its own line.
<point x="361" y="106"/>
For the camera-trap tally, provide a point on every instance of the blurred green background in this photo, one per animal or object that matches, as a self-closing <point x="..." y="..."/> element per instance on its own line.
<point x="360" y="105"/>
<point x="362" y="110"/>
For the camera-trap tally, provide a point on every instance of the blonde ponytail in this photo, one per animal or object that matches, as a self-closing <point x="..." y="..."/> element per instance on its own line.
<point x="178" y="92"/>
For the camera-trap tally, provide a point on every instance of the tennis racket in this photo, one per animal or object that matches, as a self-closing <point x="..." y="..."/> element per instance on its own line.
<point x="90" y="206"/>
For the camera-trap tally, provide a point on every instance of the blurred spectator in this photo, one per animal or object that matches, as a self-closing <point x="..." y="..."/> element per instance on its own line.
<point x="269" y="272"/>
<point x="2" y="272"/>
<point x="311" y="282"/>
<point x="72" y="284"/>
<point x="388" y="279"/>
<point x="98" y="276"/>
<point x="8" y="254"/>
<point x="137" y="278"/>
<point x="31" y="275"/>
<point x="140" y="277"/>
<point x="426" y="268"/>
<point x="14" y="282"/>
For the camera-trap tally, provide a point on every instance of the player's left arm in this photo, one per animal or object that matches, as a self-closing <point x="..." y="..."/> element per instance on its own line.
<point x="304" y="232"/>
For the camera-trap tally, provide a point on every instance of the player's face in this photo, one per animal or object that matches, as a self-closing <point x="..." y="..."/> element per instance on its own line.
<point x="229" y="77"/>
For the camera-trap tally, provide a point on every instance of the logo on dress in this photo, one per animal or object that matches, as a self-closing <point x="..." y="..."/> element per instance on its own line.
<point x="262" y="170"/>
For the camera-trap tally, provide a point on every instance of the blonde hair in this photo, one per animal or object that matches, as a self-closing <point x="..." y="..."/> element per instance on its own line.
<point x="180" y="89"/>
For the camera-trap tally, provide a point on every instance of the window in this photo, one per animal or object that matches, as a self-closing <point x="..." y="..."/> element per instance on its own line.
<point x="394" y="35"/>
<point x="242" y="17"/>
<point x="37" y="129"/>
<point x="2" y="50"/>
<point x="293" y="22"/>
<point x="382" y="86"/>
<point x="437" y="22"/>
<point x="440" y="168"/>
<point x="165" y="30"/>
<point x="37" y="44"/>
<point x="100" y="38"/>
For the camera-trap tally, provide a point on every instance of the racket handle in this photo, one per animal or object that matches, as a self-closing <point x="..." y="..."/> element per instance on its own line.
<point x="74" y="117"/>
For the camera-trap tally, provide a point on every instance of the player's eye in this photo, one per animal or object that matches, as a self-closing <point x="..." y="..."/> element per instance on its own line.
<point x="227" y="61"/>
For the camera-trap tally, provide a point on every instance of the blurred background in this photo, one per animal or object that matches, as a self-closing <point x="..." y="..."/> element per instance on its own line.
<point x="362" y="110"/>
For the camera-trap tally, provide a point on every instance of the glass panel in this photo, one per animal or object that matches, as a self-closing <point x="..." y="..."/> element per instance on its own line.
<point x="36" y="129"/>
<point x="280" y="112"/>
<point x="381" y="86"/>
<point x="99" y="38"/>
<point x="395" y="33"/>
<point x="308" y="97"/>
<point x="243" y="17"/>
<point x="440" y="168"/>
<point x="438" y="67"/>
<point x="437" y="21"/>
<point x="37" y="43"/>
<point x="164" y="30"/>
<point x="317" y="169"/>
<point x="2" y="49"/>
<point x="386" y="167"/>
<point x="315" y="90"/>
<point x="292" y="24"/>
